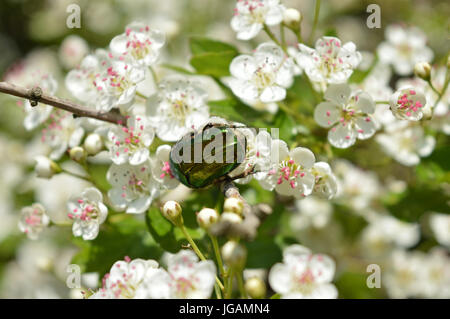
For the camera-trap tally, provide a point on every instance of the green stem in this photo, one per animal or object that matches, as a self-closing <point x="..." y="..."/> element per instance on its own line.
<point x="229" y="290"/>
<point x="217" y="291"/>
<point x="433" y="88"/>
<point x="217" y="253"/>
<point x="86" y="178"/>
<point x="273" y="37"/>
<point x="381" y="102"/>
<point x="240" y="281"/>
<point x="444" y="89"/>
<point x="283" y="37"/>
<point x="316" y="19"/>
<point x="198" y="252"/>
<point x="155" y="77"/>
<point x="288" y="110"/>
<point x="141" y="95"/>
<point x="298" y="34"/>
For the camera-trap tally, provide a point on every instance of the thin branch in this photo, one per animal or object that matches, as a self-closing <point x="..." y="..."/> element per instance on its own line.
<point x="35" y="96"/>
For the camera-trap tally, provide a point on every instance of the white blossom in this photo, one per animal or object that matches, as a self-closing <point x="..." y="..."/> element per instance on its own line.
<point x="133" y="188"/>
<point x="140" y="44"/>
<point x="357" y="188"/>
<point x="329" y="62"/>
<point x="263" y="76"/>
<point x="33" y="220"/>
<point x="385" y="233"/>
<point x="178" y="107"/>
<point x="62" y="133"/>
<point x="349" y="115"/>
<point x="440" y="225"/>
<point x="405" y="46"/>
<point x="251" y="15"/>
<point x="408" y="104"/>
<point x="126" y="279"/>
<point x="405" y="143"/>
<point x="72" y="51"/>
<point x="326" y="184"/>
<point x="87" y="212"/>
<point x="289" y="172"/>
<point x="311" y="212"/>
<point x="185" y="278"/>
<point x="130" y="143"/>
<point x="161" y="168"/>
<point x="85" y="82"/>
<point x="303" y="275"/>
<point x="436" y="281"/>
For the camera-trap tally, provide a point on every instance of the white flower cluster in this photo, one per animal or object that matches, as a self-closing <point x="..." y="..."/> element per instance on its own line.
<point x="185" y="277"/>
<point x="292" y="172"/>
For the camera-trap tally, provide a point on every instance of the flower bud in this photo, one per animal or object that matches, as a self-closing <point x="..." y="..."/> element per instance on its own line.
<point x="233" y="205"/>
<point x="93" y="144"/>
<point x="292" y="18"/>
<point x="234" y="254"/>
<point x="72" y="51"/>
<point x="46" y="168"/>
<point x="77" y="154"/>
<point x="422" y="70"/>
<point x="206" y="217"/>
<point x="231" y="218"/>
<point x="255" y="288"/>
<point x="172" y="211"/>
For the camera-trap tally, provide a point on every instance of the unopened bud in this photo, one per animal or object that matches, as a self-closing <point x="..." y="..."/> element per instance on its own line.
<point x="292" y="18"/>
<point x="93" y="144"/>
<point x="233" y="205"/>
<point x="206" y="217"/>
<point x="77" y="154"/>
<point x="172" y="211"/>
<point x="46" y="168"/>
<point x="231" y="218"/>
<point x="423" y="70"/>
<point x="427" y="112"/>
<point x="234" y="254"/>
<point x="255" y="288"/>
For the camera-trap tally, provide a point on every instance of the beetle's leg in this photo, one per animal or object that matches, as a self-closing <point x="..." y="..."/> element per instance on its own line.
<point x="242" y="175"/>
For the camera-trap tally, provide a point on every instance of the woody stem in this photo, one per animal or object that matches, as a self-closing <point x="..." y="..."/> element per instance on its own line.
<point x="77" y="110"/>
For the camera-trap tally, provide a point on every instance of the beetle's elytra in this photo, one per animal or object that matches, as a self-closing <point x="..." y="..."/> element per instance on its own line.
<point x="201" y="158"/>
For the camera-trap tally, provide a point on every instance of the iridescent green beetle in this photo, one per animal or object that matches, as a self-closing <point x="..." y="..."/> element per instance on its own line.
<point x="206" y="156"/>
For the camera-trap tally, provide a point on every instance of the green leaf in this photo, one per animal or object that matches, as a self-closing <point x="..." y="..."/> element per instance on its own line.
<point x="352" y="224"/>
<point x="199" y="45"/>
<point x="211" y="57"/>
<point x="417" y="202"/>
<point x="286" y="124"/>
<point x="353" y="285"/>
<point x="234" y="111"/>
<point x="215" y="64"/>
<point x="263" y="253"/>
<point x="169" y="237"/>
<point x="162" y="230"/>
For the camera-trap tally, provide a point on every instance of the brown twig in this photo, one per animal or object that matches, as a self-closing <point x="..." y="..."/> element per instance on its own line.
<point x="35" y="95"/>
<point x="253" y="216"/>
